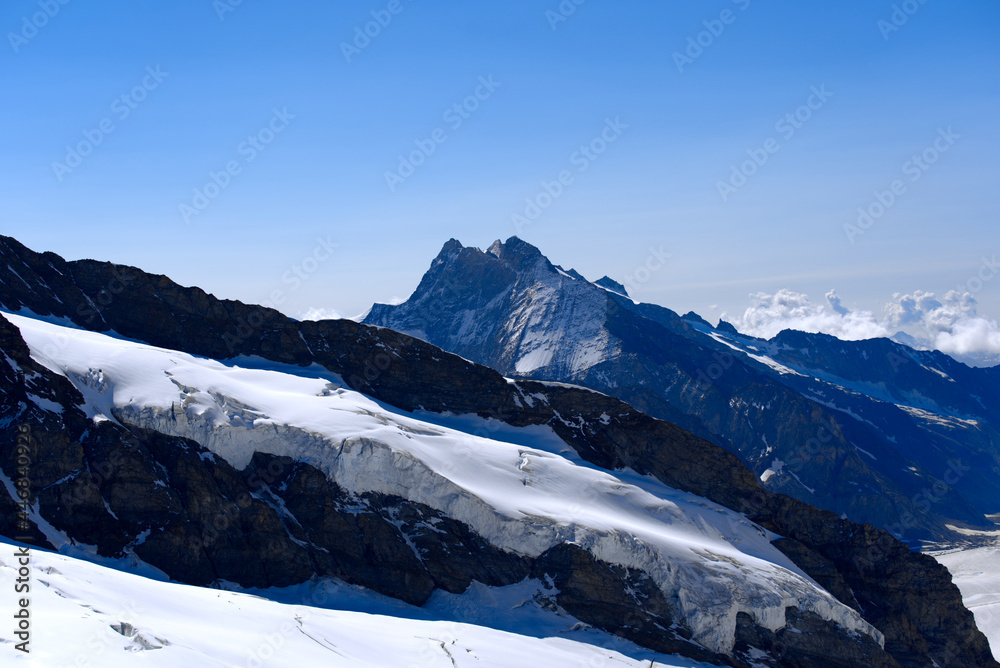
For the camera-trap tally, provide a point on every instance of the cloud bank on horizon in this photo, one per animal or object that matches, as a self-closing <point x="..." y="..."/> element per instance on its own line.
<point x="950" y="324"/>
<point x="319" y="313"/>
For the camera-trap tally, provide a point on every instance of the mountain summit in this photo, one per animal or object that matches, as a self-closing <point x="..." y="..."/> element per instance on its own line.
<point x="865" y="428"/>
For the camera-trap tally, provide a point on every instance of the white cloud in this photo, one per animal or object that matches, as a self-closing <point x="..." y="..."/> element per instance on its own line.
<point x="321" y="314"/>
<point x="909" y="309"/>
<point x="950" y="324"/>
<point x="769" y="314"/>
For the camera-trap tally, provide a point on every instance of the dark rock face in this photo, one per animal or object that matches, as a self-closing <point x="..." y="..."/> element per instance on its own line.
<point x="694" y="317"/>
<point x="829" y="431"/>
<point x="876" y="568"/>
<point x="629" y="604"/>
<point x="617" y="599"/>
<point x="802" y="644"/>
<point x="820" y="569"/>
<point x="726" y="327"/>
<point x="212" y="522"/>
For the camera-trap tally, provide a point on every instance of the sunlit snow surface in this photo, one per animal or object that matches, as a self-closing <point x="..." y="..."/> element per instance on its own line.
<point x="524" y="493"/>
<point x="78" y="609"/>
<point x="976" y="572"/>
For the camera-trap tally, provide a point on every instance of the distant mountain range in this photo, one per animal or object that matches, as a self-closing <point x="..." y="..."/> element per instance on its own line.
<point x="902" y="439"/>
<point x="229" y="446"/>
<point x="982" y="358"/>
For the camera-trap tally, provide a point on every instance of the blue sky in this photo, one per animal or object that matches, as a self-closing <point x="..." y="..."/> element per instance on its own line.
<point x="228" y="72"/>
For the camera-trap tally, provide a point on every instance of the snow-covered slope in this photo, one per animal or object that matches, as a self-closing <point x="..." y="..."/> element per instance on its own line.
<point x="710" y="562"/>
<point x="976" y="571"/>
<point x="558" y="310"/>
<point x="84" y="614"/>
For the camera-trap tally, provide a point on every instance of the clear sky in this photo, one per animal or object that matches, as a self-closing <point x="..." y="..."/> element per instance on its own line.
<point x="115" y="113"/>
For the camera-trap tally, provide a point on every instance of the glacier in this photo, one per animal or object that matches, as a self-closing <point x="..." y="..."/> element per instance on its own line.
<point x="710" y="561"/>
